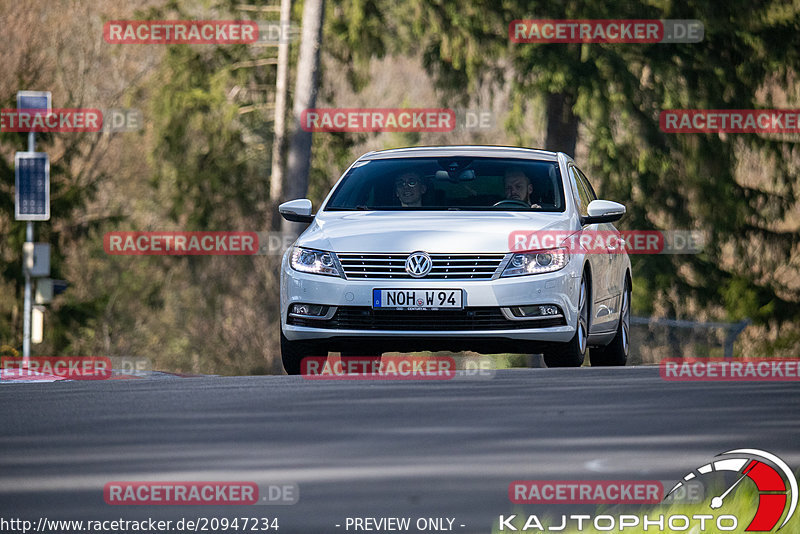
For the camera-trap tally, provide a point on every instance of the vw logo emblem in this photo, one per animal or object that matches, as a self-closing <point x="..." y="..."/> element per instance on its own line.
<point x="418" y="264"/>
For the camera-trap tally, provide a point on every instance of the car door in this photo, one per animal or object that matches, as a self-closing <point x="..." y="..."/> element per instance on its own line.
<point x="609" y="294"/>
<point x="603" y="308"/>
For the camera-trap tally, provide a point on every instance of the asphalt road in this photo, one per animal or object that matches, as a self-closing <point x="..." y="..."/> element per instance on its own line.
<point x="372" y="449"/>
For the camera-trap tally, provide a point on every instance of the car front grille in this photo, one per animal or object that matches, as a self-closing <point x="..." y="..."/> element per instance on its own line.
<point x="358" y="266"/>
<point x="468" y="319"/>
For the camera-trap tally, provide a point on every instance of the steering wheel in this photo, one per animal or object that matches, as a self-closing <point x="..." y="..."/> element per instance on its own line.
<point x="513" y="202"/>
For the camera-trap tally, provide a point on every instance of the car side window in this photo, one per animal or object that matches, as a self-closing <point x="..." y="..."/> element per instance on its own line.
<point x="581" y="196"/>
<point x="582" y="180"/>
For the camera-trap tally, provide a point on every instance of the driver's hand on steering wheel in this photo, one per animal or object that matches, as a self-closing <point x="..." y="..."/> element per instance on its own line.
<point x="515" y="201"/>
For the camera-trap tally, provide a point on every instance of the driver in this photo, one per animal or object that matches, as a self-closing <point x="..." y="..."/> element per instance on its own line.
<point x="518" y="186"/>
<point x="409" y="188"/>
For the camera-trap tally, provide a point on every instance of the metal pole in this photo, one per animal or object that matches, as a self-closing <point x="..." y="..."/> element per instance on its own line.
<point x="26" y="312"/>
<point x="279" y="141"/>
<point x="26" y="318"/>
<point x="733" y="333"/>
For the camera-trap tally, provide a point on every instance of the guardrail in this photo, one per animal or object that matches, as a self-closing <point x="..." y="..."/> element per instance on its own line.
<point x="732" y="329"/>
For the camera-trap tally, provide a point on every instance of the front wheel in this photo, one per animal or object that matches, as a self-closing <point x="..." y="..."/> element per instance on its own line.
<point x="573" y="352"/>
<point x="616" y="352"/>
<point x="293" y="352"/>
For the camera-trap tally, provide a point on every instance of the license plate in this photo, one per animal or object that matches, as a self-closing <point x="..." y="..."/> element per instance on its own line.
<point x="417" y="299"/>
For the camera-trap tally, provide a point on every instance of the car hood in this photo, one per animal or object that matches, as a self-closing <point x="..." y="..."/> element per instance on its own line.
<point x="444" y="232"/>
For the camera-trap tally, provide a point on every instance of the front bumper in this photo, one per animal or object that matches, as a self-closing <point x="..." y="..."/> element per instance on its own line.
<point x="483" y="317"/>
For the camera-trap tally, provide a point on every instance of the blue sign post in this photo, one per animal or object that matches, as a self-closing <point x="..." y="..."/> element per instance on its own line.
<point x="34" y="100"/>
<point x="32" y="192"/>
<point x="31" y="197"/>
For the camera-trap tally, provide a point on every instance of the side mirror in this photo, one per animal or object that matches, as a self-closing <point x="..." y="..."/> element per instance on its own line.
<point x="603" y="211"/>
<point x="298" y="210"/>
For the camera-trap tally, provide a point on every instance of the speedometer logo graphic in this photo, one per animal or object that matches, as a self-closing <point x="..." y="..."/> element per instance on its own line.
<point x="770" y="475"/>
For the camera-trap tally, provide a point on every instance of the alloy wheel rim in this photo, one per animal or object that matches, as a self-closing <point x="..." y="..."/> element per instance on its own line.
<point x="626" y="319"/>
<point x="582" y="318"/>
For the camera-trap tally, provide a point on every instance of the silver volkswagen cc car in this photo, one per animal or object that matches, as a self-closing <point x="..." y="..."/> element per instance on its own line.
<point x="456" y="248"/>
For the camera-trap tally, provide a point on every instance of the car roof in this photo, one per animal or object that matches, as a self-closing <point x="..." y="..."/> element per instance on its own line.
<point x="486" y="151"/>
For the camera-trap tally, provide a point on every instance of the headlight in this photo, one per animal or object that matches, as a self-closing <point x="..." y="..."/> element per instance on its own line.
<point x="545" y="261"/>
<point x="307" y="260"/>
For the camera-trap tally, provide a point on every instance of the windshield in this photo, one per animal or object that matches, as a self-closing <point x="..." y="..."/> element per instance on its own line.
<point x="440" y="184"/>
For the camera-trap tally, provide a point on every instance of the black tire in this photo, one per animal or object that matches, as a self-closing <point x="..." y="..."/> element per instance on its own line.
<point x="363" y="356"/>
<point x="573" y="352"/>
<point x="293" y="352"/>
<point x="616" y="352"/>
<point x="361" y="363"/>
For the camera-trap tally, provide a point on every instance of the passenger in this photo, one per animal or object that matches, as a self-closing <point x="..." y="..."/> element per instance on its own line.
<point x="409" y="188"/>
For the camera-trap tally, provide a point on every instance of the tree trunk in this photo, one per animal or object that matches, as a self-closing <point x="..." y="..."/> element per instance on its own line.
<point x="279" y="141"/>
<point x="562" y="124"/>
<point x="305" y="97"/>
